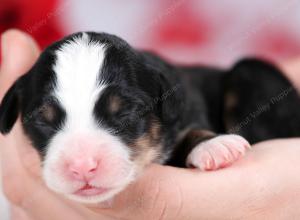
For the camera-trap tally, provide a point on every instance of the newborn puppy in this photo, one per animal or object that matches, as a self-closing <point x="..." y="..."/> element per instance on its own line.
<point x="99" y="111"/>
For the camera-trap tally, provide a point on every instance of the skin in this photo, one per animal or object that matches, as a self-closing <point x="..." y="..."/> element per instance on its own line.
<point x="263" y="185"/>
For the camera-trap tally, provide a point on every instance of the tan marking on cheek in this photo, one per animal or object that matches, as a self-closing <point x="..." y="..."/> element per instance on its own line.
<point x="203" y="133"/>
<point x="196" y="136"/>
<point x="114" y="104"/>
<point x="147" y="158"/>
<point x="148" y="147"/>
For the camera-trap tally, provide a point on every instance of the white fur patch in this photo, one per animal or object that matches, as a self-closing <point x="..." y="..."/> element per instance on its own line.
<point x="77" y="69"/>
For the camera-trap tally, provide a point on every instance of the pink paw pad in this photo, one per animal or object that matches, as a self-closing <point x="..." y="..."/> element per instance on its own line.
<point x="218" y="152"/>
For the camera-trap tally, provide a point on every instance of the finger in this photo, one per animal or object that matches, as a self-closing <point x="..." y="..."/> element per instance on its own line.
<point x="28" y="156"/>
<point x="292" y="69"/>
<point x="18" y="214"/>
<point x="19" y="52"/>
<point x="12" y="169"/>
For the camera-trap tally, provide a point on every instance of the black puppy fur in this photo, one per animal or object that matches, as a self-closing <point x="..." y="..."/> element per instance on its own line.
<point x="176" y="106"/>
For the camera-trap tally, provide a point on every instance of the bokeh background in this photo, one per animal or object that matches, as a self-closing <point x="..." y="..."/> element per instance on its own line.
<point x="184" y="31"/>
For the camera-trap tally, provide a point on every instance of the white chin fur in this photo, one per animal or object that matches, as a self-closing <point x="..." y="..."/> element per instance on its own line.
<point x="108" y="195"/>
<point x="96" y="199"/>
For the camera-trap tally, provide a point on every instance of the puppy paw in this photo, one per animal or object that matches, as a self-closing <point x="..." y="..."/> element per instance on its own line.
<point x="218" y="152"/>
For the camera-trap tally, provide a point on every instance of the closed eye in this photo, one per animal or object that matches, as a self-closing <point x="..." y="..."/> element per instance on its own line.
<point x="48" y="112"/>
<point x="49" y="115"/>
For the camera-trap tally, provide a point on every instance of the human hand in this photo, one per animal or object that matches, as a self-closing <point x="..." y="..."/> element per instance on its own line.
<point x="250" y="189"/>
<point x="292" y="70"/>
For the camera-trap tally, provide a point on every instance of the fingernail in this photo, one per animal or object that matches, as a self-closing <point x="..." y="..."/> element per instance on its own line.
<point x="6" y="49"/>
<point x="18" y="52"/>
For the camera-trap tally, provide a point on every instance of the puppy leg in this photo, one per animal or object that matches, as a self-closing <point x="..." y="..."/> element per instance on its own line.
<point x="215" y="152"/>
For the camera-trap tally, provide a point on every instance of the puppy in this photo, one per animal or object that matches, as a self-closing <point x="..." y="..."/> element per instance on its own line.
<point x="99" y="111"/>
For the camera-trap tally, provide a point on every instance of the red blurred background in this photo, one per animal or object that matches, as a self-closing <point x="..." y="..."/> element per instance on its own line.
<point x="184" y="31"/>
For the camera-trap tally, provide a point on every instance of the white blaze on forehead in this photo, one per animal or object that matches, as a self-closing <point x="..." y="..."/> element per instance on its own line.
<point x="78" y="66"/>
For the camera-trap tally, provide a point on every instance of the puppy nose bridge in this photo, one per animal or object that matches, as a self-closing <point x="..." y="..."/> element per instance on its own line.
<point x="83" y="168"/>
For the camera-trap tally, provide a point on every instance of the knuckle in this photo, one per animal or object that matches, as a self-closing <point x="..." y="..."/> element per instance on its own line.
<point x="14" y="189"/>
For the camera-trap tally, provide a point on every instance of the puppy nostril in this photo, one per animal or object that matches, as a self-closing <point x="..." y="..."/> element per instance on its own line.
<point x="92" y="165"/>
<point x="75" y="173"/>
<point x="93" y="170"/>
<point x="83" y="168"/>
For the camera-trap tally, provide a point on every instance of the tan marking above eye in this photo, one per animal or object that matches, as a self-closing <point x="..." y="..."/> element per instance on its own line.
<point x="114" y="103"/>
<point x="48" y="112"/>
<point x="231" y="100"/>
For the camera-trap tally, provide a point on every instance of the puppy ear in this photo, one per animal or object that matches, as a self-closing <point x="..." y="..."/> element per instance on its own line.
<point x="171" y="99"/>
<point x="160" y="80"/>
<point x="9" y="107"/>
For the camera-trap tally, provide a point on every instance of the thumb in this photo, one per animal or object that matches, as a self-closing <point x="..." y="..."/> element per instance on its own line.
<point x="19" y="52"/>
<point x="292" y="68"/>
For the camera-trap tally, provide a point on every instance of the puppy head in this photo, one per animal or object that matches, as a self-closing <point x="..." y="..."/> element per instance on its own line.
<point x="89" y="112"/>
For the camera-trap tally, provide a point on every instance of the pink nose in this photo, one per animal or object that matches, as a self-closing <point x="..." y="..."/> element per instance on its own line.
<point x="83" y="169"/>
